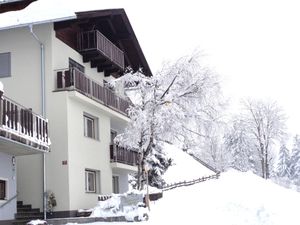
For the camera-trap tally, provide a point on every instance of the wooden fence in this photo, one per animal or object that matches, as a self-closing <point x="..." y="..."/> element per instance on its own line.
<point x="191" y="182"/>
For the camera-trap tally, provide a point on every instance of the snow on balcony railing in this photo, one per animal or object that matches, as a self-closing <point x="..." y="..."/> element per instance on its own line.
<point x="75" y="79"/>
<point x="21" y="124"/>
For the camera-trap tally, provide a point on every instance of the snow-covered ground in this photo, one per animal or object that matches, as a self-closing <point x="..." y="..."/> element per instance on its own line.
<point x="184" y="166"/>
<point x="235" y="199"/>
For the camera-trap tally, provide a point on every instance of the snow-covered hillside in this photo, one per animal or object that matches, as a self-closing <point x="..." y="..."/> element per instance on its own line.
<point x="236" y="198"/>
<point x="184" y="166"/>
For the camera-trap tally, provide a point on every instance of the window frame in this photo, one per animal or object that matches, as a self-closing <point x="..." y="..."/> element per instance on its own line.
<point x="87" y="184"/>
<point x="5" y="182"/>
<point x="96" y="181"/>
<point x="94" y="123"/>
<point x="6" y="56"/>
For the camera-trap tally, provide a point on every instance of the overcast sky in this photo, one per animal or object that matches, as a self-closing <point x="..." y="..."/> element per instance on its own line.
<point x="254" y="45"/>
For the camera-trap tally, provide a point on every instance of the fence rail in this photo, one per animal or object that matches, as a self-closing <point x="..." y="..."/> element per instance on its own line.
<point x="73" y="78"/>
<point x="19" y="121"/>
<point x="191" y="182"/>
<point x="95" y="40"/>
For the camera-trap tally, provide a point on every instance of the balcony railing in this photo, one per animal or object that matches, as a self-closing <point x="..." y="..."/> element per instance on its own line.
<point x="22" y="125"/>
<point x="94" y="40"/>
<point x="122" y="155"/>
<point x="76" y="80"/>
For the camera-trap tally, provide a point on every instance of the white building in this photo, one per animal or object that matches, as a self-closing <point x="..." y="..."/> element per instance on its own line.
<point x="59" y="68"/>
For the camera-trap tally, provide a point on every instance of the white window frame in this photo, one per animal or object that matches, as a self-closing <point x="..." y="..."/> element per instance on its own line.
<point x="95" y="126"/>
<point x="96" y="181"/>
<point x="87" y="186"/>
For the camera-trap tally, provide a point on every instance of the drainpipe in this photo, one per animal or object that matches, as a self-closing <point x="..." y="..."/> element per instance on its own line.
<point x="42" y="47"/>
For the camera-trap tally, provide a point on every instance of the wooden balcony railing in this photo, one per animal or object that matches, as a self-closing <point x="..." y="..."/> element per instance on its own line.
<point x="94" y="40"/>
<point x="122" y="155"/>
<point x="21" y="124"/>
<point x="78" y="81"/>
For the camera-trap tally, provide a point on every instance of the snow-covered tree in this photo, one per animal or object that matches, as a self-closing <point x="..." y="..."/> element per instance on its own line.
<point x="167" y="107"/>
<point x="283" y="165"/>
<point x="295" y="161"/>
<point x="239" y="145"/>
<point x="256" y="129"/>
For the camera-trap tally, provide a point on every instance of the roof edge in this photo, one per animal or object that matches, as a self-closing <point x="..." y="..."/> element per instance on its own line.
<point x="38" y="22"/>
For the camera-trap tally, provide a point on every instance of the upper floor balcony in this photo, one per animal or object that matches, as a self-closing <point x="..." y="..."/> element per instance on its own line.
<point x="73" y="79"/>
<point x="22" y="131"/>
<point x="101" y="52"/>
<point x="122" y="158"/>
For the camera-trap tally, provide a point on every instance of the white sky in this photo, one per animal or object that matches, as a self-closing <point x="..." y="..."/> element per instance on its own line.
<point x="254" y="45"/>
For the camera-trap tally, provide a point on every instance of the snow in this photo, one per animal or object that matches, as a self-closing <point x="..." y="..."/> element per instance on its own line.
<point x="236" y="198"/>
<point x="185" y="166"/>
<point x="36" y="222"/>
<point x="113" y="207"/>
<point x="1" y="87"/>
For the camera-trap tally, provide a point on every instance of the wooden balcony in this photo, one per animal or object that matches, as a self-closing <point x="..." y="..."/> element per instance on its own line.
<point x="75" y="80"/>
<point x="101" y="52"/>
<point x="122" y="155"/>
<point x="21" y="130"/>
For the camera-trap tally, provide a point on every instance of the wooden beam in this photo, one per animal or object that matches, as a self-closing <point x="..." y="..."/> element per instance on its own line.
<point x="101" y="68"/>
<point x="95" y="62"/>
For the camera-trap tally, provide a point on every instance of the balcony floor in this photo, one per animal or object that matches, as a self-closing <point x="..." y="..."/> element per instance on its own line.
<point x="15" y="146"/>
<point x="117" y="167"/>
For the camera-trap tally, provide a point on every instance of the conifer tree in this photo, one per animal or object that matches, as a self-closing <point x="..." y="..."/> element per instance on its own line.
<point x="283" y="165"/>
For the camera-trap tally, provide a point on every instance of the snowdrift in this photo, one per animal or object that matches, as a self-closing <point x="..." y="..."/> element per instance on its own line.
<point x="184" y="168"/>
<point x="235" y="199"/>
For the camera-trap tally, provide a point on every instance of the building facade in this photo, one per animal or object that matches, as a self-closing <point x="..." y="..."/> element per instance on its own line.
<point x="65" y="65"/>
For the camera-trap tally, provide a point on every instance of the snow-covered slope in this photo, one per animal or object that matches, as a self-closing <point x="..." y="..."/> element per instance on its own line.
<point x="184" y="168"/>
<point x="235" y="199"/>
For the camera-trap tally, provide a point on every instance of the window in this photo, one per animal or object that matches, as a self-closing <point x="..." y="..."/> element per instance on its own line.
<point x="92" y="181"/>
<point x="90" y="126"/>
<point x="76" y="65"/>
<point x="115" y="183"/>
<point x="5" y="64"/>
<point x="3" y="189"/>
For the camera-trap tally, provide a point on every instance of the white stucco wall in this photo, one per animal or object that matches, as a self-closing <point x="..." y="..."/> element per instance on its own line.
<point x="57" y="173"/>
<point x="87" y="153"/>
<point x="8" y="173"/>
<point x="24" y="87"/>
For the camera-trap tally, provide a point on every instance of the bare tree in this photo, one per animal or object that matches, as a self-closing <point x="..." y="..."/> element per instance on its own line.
<point x="261" y="125"/>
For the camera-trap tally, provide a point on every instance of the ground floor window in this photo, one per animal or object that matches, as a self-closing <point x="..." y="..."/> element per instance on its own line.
<point x="92" y="181"/>
<point x="3" y="189"/>
<point x="115" y="183"/>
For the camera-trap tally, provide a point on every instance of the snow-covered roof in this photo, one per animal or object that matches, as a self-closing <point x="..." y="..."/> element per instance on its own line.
<point x="38" y="22"/>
